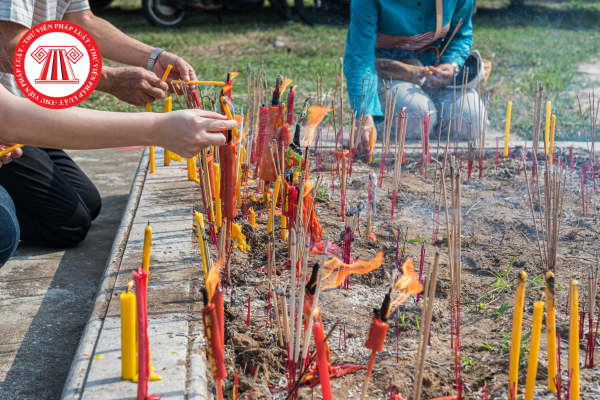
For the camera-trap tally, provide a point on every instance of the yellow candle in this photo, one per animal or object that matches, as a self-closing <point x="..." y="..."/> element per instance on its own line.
<point x="552" y="127"/>
<point x="9" y="149"/>
<point x="252" y="218"/>
<point x="515" y="343"/>
<point x="200" y="229"/>
<point x="217" y="173"/>
<point x="371" y="143"/>
<point x="209" y="83"/>
<point x="574" y="340"/>
<point x="152" y="164"/>
<point x="547" y="136"/>
<point x="229" y="115"/>
<point x="272" y="214"/>
<point x="168" y="108"/>
<point x="507" y="135"/>
<point x="147" y="249"/>
<point x="191" y="169"/>
<point x="283" y="227"/>
<point x="128" y="335"/>
<point x="551" y="330"/>
<point x="534" y="349"/>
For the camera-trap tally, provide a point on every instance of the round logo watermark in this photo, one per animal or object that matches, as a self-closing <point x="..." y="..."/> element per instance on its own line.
<point x="57" y="64"/>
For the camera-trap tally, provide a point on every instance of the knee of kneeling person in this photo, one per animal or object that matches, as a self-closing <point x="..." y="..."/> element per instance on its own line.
<point x="9" y="234"/>
<point x="74" y="230"/>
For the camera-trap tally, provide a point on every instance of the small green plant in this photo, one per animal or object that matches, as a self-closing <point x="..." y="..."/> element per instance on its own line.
<point x="505" y="347"/>
<point x="322" y="193"/>
<point x="500" y="283"/>
<point x="467" y="362"/>
<point x="487" y="346"/>
<point x="499" y="313"/>
<point x="417" y="319"/>
<point x="485" y="378"/>
<point x="402" y="323"/>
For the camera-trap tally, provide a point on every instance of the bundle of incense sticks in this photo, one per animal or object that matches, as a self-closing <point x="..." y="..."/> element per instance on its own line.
<point x="483" y="107"/>
<point x="351" y="224"/>
<point x="471" y="145"/>
<point x="401" y="120"/>
<point x="550" y="216"/>
<point x="390" y="107"/>
<point x="362" y="109"/>
<point x="454" y="231"/>
<point x="593" y="275"/>
<point x="458" y="117"/>
<point x="425" y="327"/>
<point x="593" y="121"/>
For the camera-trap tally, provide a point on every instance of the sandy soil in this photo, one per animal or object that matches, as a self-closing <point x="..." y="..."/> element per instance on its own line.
<point x="497" y="224"/>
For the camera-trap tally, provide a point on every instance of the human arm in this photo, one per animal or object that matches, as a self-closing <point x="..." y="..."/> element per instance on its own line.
<point x="184" y="132"/>
<point x="359" y="63"/>
<point x="130" y="84"/>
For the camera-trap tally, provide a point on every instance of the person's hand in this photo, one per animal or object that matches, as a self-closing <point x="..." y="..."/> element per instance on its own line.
<point x="181" y="70"/>
<point x="134" y="85"/>
<point x="187" y="132"/>
<point x="364" y="136"/>
<point x="441" y="77"/>
<point x="5" y="159"/>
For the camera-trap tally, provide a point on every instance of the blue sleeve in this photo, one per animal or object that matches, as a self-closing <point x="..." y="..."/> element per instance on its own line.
<point x="463" y="40"/>
<point x="359" y="59"/>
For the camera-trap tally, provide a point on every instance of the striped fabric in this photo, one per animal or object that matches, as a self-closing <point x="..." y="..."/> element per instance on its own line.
<point x="407" y="42"/>
<point x="30" y="13"/>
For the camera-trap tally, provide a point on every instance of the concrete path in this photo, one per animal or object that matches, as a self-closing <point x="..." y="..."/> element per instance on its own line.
<point x="46" y="294"/>
<point x="166" y="202"/>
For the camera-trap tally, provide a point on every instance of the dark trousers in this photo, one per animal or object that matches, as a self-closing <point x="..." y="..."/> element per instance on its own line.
<point x="9" y="228"/>
<point x="54" y="199"/>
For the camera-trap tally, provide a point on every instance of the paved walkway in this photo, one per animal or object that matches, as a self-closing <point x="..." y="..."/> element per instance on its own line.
<point x="46" y="294"/>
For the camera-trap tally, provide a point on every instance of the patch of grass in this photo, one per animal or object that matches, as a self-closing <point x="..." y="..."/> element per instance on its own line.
<point x="544" y="41"/>
<point x="499" y="313"/>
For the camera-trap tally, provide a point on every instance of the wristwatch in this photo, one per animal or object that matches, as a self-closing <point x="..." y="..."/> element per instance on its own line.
<point x="456" y="67"/>
<point x="153" y="57"/>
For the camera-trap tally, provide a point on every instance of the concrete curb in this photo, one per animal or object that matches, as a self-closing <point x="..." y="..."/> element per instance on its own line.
<point x="80" y="366"/>
<point x="198" y="383"/>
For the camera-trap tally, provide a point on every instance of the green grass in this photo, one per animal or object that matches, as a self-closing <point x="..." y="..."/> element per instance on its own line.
<point x="544" y="41"/>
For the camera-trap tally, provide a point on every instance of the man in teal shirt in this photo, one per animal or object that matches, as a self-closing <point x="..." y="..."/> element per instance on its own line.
<point x="405" y="36"/>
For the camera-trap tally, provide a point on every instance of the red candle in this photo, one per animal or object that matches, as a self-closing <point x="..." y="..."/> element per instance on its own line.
<point x="140" y="278"/>
<point x="217" y="299"/>
<point x="322" y="363"/>
<point x="248" y="319"/>
<point x="290" y="106"/>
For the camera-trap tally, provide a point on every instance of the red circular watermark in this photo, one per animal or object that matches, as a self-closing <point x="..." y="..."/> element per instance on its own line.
<point x="57" y="64"/>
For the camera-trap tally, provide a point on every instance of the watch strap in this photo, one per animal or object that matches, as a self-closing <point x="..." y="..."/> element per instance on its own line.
<point x="153" y="57"/>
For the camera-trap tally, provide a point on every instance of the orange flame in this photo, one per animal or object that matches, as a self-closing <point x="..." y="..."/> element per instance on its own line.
<point x="233" y="75"/>
<point x="286" y="83"/>
<point x="429" y="113"/>
<point x="130" y="286"/>
<point x="408" y="285"/>
<point x="331" y="280"/>
<point x="294" y="88"/>
<point x="315" y="116"/>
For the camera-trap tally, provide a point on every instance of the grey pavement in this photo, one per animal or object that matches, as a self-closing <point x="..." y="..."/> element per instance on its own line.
<point x="46" y="294"/>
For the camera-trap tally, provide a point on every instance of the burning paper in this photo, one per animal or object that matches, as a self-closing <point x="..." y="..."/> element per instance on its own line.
<point x="315" y="116"/>
<point x="331" y="280"/>
<point x="408" y="285"/>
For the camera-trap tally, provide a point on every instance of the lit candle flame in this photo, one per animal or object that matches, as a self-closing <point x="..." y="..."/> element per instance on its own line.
<point x="286" y="83"/>
<point x="130" y="285"/>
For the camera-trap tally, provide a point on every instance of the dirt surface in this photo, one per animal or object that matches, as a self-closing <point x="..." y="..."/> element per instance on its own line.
<point x="46" y="294"/>
<point x="496" y="226"/>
